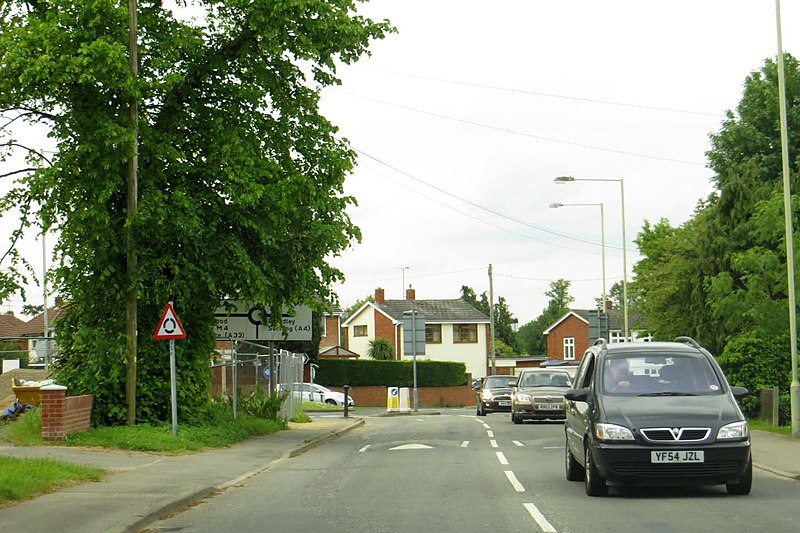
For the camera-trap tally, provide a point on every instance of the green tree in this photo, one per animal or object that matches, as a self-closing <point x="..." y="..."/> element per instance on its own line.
<point x="723" y="272"/>
<point x="531" y="335"/>
<point x="503" y="318"/>
<point x="380" y="349"/>
<point x="241" y="178"/>
<point x="32" y="310"/>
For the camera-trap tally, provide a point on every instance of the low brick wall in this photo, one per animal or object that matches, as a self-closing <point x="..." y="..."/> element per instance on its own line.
<point x="62" y="416"/>
<point x="428" y="396"/>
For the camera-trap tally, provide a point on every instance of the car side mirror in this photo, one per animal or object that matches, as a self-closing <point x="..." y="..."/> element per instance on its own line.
<point x="578" y="395"/>
<point x="513" y="383"/>
<point x="739" y="392"/>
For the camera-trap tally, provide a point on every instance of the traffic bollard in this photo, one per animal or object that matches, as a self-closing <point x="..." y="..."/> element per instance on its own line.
<point x="346" y="399"/>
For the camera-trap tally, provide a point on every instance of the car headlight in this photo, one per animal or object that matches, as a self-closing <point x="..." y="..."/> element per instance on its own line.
<point x="737" y="430"/>
<point x="612" y="432"/>
<point x="523" y="397"/>
<point x="486" y="394"/>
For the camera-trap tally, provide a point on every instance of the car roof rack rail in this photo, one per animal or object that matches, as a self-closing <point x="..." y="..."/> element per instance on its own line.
<point x="599" y="342"/>
<point x="690" y="341"/>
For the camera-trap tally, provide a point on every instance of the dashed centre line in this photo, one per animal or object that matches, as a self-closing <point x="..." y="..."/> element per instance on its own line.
<point x="518" y="443"/>
<point x="514" y="481"/>
<point x="501" y="458"/>
<point x="465" y="444"/>
<point x="494" y="444"/>
<point x="541" y="521"/>
<point x="490" y="434"/>
<point x="362" y="450"/>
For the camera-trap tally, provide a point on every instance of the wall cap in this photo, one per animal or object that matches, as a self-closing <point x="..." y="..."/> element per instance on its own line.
<point x="52" y="387"/>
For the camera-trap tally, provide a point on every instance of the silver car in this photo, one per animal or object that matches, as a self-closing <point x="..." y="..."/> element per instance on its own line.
<point x="538" y="394"/>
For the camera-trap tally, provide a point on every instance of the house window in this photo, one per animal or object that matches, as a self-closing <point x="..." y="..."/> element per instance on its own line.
<point x="360" y="331"/>
<point x="433" y="333"/>
<point x="615" y="335"/>
<point x="464" y="333"/>
<point x="569" y="348"/>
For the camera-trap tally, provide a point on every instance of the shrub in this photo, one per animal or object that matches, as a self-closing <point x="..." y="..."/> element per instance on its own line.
<point x="756" y="362"/>
<point x="262" y="406"/>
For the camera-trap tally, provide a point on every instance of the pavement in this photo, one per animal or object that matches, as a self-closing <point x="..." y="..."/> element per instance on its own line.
<point x="143" y="487"/>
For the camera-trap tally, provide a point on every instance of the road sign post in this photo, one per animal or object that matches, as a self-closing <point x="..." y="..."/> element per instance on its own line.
<point x="170" y="328"/>
<point x="414" y="342"/>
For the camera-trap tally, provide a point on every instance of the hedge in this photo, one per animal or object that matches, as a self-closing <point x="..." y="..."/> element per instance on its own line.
<point x="339" y="372"/>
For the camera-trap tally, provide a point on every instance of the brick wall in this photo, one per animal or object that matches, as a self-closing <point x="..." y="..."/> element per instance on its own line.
<point x="62" y="415"/>
<point x="428" y="396"/>
<point x="331" y="337"/>
<point x="384" y="329"/>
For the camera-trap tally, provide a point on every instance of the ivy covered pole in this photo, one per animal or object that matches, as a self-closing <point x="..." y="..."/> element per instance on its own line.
<point x="794" y="388"/>
<point x="133" y="192"/>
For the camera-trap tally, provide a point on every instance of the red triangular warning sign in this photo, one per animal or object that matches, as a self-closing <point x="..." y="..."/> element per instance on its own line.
<point x="169" y="327"/>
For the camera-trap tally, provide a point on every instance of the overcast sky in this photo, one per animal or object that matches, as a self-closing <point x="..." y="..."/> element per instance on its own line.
<point x="464" y="117"/>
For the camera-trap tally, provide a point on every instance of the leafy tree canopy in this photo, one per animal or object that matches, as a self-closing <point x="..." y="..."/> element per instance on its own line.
<point x="531" y="339"/>
<point x="240" y="178"/>
<point x="503" y="318"/>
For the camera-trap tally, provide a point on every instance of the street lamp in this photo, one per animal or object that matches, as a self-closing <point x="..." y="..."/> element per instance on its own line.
<point x="794" y="388"/>
<point x="602" y="242"/>
<point x="565" y="179"/>
<point x="402" y="293"/>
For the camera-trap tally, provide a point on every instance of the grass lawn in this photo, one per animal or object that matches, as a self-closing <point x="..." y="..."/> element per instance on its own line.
<point x="21" y="479"/>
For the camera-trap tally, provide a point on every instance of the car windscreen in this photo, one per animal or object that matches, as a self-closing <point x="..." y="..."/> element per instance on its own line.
<point x="497" y="382"/>
<point x="660" y="375"/>
<point x="545" y="379"/>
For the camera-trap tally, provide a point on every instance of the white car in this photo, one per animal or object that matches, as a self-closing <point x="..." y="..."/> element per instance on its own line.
<point x="313" y="392"/>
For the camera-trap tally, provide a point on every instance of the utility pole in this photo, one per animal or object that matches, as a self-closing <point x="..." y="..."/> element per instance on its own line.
<point x="133" y="193"/>
<point x="44" y="298"/>
<point x="491" y="320"/>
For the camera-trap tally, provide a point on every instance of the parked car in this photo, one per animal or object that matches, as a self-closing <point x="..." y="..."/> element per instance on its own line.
<point x="538" y="394"/>
<point x="655" y="413"/>
<point x="312" y="392"/>
<point x="493" y="394"/>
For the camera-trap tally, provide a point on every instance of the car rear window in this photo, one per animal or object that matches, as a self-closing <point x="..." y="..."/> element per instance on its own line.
<point x="660" y="375"/>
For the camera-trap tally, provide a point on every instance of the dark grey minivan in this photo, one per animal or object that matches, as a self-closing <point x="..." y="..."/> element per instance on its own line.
<point x="654" y="413"/>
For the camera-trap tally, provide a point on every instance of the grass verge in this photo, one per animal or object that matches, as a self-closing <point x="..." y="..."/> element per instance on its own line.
<point x="26" y="431"/>
<point x="21" y="479"/>
<point x="760" y="425"/>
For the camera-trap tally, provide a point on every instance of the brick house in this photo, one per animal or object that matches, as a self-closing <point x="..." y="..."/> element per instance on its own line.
<point x="570" y="336"/>
<point x="454" y="330"/>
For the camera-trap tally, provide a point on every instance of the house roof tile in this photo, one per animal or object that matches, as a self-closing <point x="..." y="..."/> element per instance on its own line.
<point x="435" y="311"/>
<point x="10" y="325"/>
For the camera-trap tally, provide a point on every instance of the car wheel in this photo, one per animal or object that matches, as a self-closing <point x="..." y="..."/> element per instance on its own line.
<point x="573" y="469"/>
<point x="595" y="484"/>
<point x="515" y="418"/>
<point x="745" y="482"/>
<point x="330" y="401"/>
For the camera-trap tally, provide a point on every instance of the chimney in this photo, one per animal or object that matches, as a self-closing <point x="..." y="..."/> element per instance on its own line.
<point x="609" y="305"/>
<point x="379" y="299"/>
<point x="410" y="293"/>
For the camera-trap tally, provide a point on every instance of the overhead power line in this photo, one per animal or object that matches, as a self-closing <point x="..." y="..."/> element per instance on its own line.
<point x="484" y="208"/>
<point x="524" y="134"/>
<point x="545" y="95"/>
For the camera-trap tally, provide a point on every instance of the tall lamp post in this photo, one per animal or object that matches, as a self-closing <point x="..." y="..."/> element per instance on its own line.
<point x="565" y="179"/>
<point x="402" y="293"/>
<point x="794" y="388"/>
<point x="602" y="242"/>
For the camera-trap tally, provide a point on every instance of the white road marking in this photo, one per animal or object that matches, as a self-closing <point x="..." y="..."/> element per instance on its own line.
<point x="542" y="522"/>
<point x="362" y="450"/>
<point x="490" y="433"/>
<point x="553" y="448"/>
<point x="518" y="443"/>
<point x="514" y="481"/>
<point x="501" y="458"/>
<point x="494" y="443"/>
<point x="487" y="426"/>
<point x="412" y="447"/>
<point x="465" y="444"/>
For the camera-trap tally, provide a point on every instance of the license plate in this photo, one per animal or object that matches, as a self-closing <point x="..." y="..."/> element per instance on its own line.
<point x="548" y="406"/>
<point x="682" y="456"/>
<point x="504" y="403"/>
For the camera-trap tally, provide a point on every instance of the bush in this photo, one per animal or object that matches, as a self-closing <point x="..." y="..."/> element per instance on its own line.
<point x="262" y="406"/>
<point x="339" y="372"/>
<point x="752" y="361"/>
